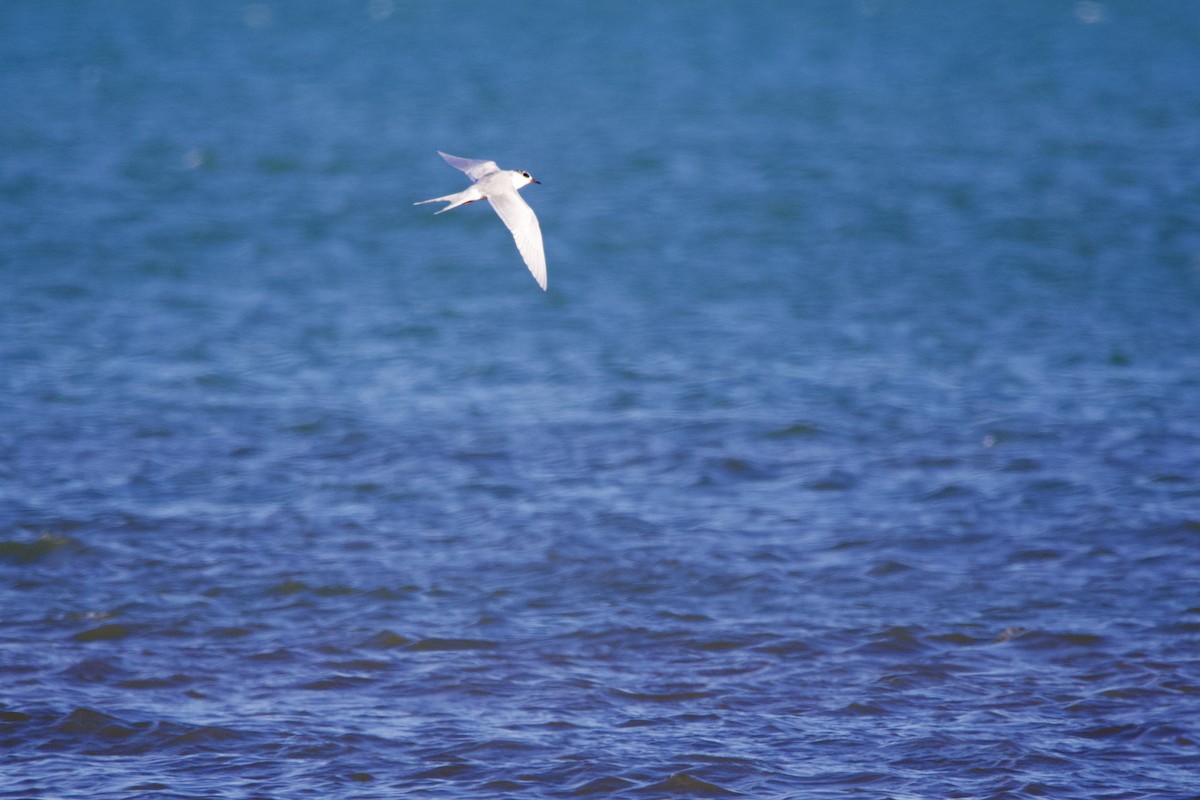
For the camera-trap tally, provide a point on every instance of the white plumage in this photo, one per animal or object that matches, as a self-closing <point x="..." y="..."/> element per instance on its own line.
<point x="500" y="187"/>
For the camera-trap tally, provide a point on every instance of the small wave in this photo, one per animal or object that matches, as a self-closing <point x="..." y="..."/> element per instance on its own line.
<point x="1051" y="640"/>
<point x="837" y="480"/>
<point x="890" y="567"/>
<point x="432" y="645"/>
<point x="171" y="682"/>
<point x="93" y="732"/>
<point x="496" y="748"/>
<point x="608" y="785"/>
<point x="45" y="546"/>
<point x="335" y="682"/>
<point x="863" y="710"/>
<point x="958" y="639"/>
<point x="108" y="632"/>
<point x="385" y="640"/>
<point x="683" y="783"/>
<point x="93" y="670"/>
<point x="898" y="640"/>
<point x="360" y="665"/>
<point x="203" y="737"/>
<point x="1033" y="555"/>
<point x="90" y="722"/>
<point x="664" y="697"/>
<point x="796" y="430"/>
<point x="786" y="647"/>
<point x="444" y="771"/>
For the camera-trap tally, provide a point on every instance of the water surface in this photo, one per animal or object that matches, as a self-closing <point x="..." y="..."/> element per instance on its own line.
<point x="854" y="451"/>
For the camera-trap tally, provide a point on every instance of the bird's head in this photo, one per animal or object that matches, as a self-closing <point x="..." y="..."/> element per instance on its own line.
<point x="522" y="179"/>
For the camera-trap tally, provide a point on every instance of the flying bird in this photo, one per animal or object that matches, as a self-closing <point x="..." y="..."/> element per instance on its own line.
<point x="500" y="187"/>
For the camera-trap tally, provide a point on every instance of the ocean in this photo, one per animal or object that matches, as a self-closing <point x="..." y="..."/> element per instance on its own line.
<point x="854" y="450"/>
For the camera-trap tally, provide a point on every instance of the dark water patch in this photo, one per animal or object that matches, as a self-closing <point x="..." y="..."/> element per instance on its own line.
<point x="787" y="648"/>
<point x="639" y="723"/>
<point x="170" y="682"/>
<point x="292" y="587"/>
<point x="863" y="710"/>
<point x="108" y="632"/>
<point x="920" y="676"/>
<point x="336" y="683"/>
<point x="65" y="291"/>
<point x="278" y="165"/>
<point x="230" y="632"/>
<point x="681" y="695"/>
<point x="718" y="645"/>
<point x="1020" y="465"/>
<point x="45" y="546"/>
<point x="504" y="786"/>
<point x="94" y="670"/>
<point x="889" y="568"/>
<point x="837" y="480"/>
<point x="438" y="645"/>
<point x="149" y="787"/>
<point x="445" y="771"/>
<point x="958" y="639"/>
<point x="497" y="490"/>
<point x="733" y="468"/>
<point x="894" y="641"/>
<point x="682" y="783"/>
<point x="1051" y="641"/>
<point x="1053" y="487"/>
<point x="950" y="492"/>
<point x="606" y="785"/>
<point x="796" y="430"/>
<point x="388" y="593"/>
<point x="90" y="732"/>
<point x="87" y="723"/>
<point x="335" y="591"/>
<point x="1035" y="555"/>
<point x="1129" y="693"/>
<point x="840" y="778"/>
<point x="691" y="618"/>
<point x="386" y="640"/>
<point x="1129" y="732"/>
<point x="203" y="738"/>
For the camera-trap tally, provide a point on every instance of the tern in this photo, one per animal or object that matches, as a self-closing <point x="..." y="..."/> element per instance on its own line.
<point x="501" y="187"/>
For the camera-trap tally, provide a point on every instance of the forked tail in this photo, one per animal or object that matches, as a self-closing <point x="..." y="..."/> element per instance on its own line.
<point x="469" y="195"/>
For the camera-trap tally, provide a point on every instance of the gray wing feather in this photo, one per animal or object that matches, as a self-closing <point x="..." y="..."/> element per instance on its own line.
<point x="474" y="168"/>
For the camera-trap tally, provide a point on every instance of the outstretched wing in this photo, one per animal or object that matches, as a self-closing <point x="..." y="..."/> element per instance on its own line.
<point x="523" y="224"/>
<point x="474" y="169"/>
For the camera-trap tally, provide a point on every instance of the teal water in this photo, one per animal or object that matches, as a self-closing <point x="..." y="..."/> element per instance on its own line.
<point x="853" y="452"/>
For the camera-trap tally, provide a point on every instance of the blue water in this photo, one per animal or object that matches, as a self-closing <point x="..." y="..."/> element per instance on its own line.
<point x="853" y="452"/>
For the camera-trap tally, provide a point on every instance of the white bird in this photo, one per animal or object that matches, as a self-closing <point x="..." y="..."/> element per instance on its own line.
<point x="500" y="187"/>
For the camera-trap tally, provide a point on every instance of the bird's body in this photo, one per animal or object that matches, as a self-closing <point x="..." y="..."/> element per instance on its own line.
<point x="500" y="187"/>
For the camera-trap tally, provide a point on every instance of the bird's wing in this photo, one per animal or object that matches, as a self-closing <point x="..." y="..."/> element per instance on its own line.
<point x="475" y="169"/>
<point x="523" y="224"/>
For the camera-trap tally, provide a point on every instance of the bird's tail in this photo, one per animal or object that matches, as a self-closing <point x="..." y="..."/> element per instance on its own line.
<point x="468" y="195"/>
